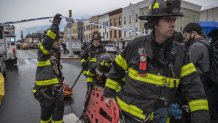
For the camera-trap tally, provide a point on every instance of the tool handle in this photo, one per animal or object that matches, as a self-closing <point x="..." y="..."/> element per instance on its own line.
<point x="76" y="79"/>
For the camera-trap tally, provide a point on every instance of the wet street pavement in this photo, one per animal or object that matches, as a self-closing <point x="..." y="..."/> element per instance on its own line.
<point x="19" y="105"/>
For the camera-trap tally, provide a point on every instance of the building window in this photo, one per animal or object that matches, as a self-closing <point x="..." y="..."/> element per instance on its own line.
<point x="111" y="22"/>
<point x="103" y="35"/>
<point x="115" y="21"/>
<point x="195" y="18"/>
<point x="124" y="20"/>
<point x="124" y="33"/>
<point x="89" y="36"/>
<point x="107" y="34"/>
<point x="110" y="34"/>
<point x="120" y="20"/>
<point x="107" y="23"/>
<point x="130" y="19"/>
<point x="115" y="33"/>
<point x="182" y="19"/>
<point x="136" y="17"/>
<point x="119" y="33"/>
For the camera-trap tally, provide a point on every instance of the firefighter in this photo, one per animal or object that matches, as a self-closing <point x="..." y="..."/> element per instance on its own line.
<point x="89" y="54"/>
<point x="96" y="76"/>
<point x="154" y="66"/>
<point x="48" y="88"/>
<point x="98" y="72"/>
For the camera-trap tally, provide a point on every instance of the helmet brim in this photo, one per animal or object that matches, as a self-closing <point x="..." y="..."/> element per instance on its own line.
<point x="153" y="16"/>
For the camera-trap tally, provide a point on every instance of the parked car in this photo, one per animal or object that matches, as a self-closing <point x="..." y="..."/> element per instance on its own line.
<point x="111" y="48"/>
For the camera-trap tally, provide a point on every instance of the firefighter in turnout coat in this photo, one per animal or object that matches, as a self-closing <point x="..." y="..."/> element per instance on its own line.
<point x="154" y="66"/>
<point x="48" y="88"/>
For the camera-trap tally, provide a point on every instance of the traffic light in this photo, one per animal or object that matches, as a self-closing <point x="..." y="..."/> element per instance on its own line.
<point x="70" y="13"/>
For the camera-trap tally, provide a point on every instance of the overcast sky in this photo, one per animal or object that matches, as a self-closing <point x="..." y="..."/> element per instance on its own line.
<point x="13" y="10"/>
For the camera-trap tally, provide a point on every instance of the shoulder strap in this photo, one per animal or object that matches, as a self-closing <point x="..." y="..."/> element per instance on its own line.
<point x="208" y="47"/>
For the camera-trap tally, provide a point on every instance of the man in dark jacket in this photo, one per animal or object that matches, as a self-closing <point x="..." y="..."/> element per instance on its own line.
<point x="48" y="88"/>
<point x="214" y="43"/>
<point x="199" y="55"/>
<point x="154" y="66"/>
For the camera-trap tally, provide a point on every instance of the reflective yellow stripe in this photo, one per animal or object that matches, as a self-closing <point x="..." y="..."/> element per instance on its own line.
<point x="156" y="6"/>
<point x="47" y="82"/>
<point x="82" y="60"/>
<point x="132" y="109"/>
<point x="154" y="79"/>
<point x="51" y="34"/>
<point x="200" y="104"/>
<point x="34" y="90"/>
<point x="123" y="79"/>
<point x="93" y="60"/>
<point x="60" y="121"/>
<point x="90" y="74"/>
<point x="118" y="88"/>
<point x="187" y="69"/>
<point x="43" y="121"/>
<point x="43" y="63"/>
<point x="88" y="79"/>
<point x="121" y="62"/>
<point x="84" y="72"/>
<point x="111" y="84"/>
<point x="43" y="49"/>
<point x="106" y="64"/>
<point x="168" y="120"/>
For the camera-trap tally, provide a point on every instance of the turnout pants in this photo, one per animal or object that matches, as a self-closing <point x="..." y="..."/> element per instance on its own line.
<point x="52" y="106"/>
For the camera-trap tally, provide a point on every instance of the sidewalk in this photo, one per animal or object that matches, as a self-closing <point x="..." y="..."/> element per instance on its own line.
<point x="69" y="57"/>
<point x="71" y="118"/>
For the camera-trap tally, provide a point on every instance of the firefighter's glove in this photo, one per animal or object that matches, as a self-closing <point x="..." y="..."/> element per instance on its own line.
<point x="57" y="19"/>
<point x="161" y="115"/>
<point x="108" y="100"/>
<point x="175" y="111"/>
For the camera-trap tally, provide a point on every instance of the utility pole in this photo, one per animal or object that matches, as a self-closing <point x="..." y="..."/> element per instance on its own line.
<point x="70" y="21"/>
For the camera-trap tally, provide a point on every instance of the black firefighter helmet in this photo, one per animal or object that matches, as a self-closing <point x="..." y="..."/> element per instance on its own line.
<point x="159" y="8"/>
<point x="96" y="35"/>
<point x="104" y="63"/>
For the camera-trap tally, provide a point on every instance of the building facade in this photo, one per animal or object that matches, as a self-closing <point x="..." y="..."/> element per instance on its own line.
<point x="87" y="31"/>
<point x="103" y="27"/>
<point x="115" y="22"/>
<point x="209" y="13"/>
<point x="78" y="31"/>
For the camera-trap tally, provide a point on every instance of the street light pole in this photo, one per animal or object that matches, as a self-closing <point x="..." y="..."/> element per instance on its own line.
<point x="70" y="30"/>
<point x="70" y="39"/>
